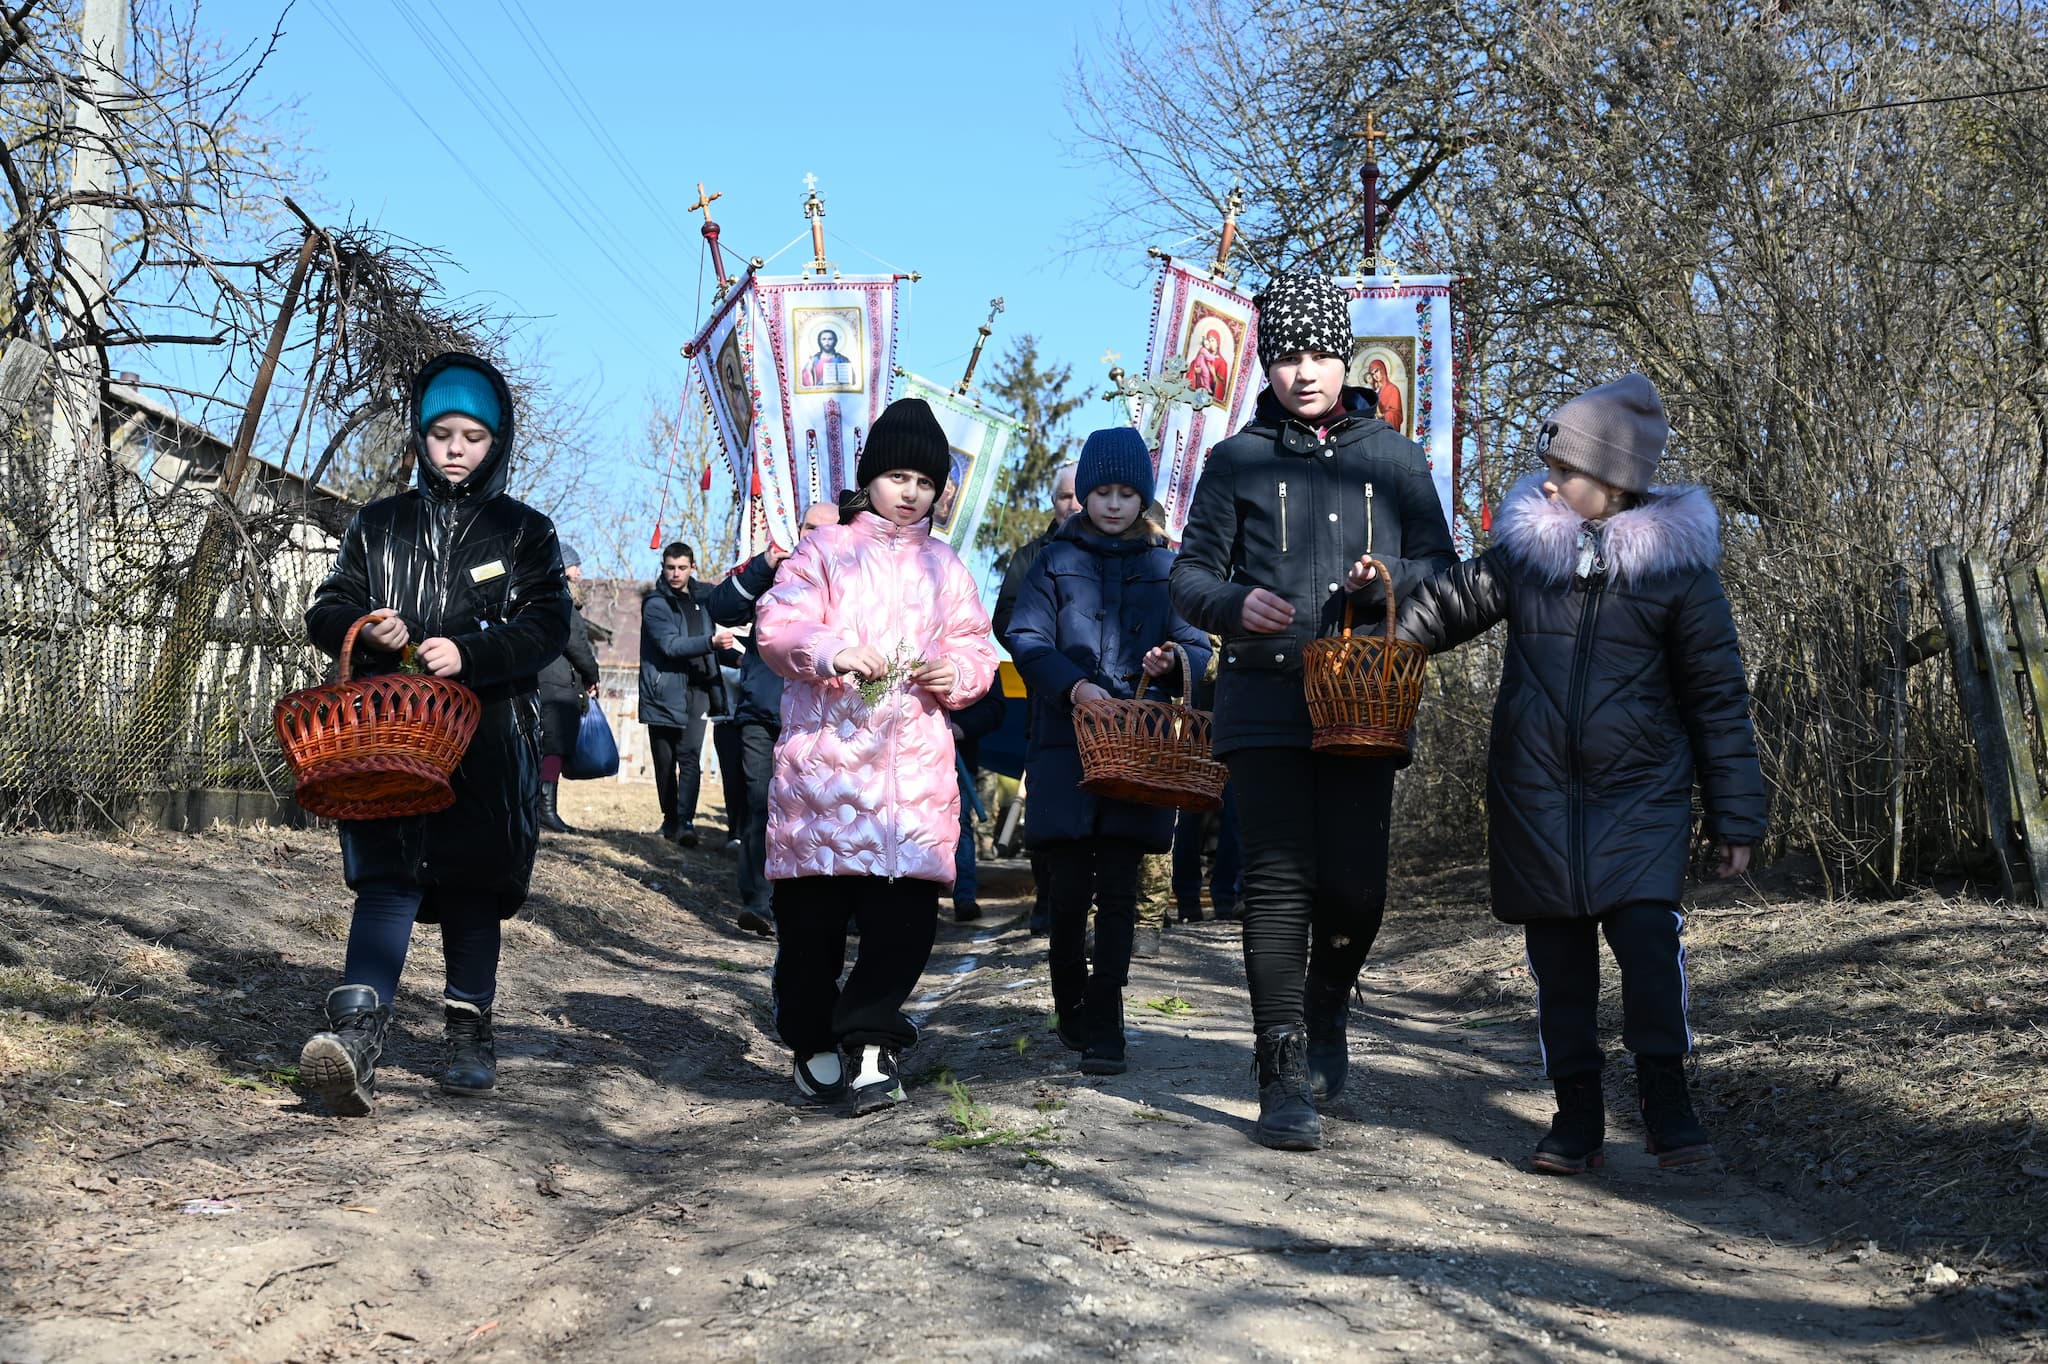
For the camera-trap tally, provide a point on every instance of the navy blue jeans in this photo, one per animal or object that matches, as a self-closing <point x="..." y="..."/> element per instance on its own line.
<point x="381" y="931"/>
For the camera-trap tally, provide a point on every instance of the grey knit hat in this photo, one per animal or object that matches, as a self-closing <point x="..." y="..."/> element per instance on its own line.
<point x="1299" y="311"/>
<point x="1616" y="433"/>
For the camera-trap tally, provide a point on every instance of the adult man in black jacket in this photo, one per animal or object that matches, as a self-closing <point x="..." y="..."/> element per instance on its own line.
<point x="758" y="718"/>
<point x="1271" y="556"/>
<point x="680" y="686"/>
<point x="1064" y="505"/>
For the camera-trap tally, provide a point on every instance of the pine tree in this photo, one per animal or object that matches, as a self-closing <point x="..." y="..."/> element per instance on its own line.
<point x="1036" y="394"/>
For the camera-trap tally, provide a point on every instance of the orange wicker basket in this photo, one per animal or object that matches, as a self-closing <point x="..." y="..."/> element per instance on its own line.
<point x="1364" y="690"/>
<point x="1150" y="752"/>
<point x="380" y="748"/>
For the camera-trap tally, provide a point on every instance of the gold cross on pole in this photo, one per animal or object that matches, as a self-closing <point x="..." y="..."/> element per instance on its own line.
<point x="1371" y="136"/>
<point x="703" y="203"/>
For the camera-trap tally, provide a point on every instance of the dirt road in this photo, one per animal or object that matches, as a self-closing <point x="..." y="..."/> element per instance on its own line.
<point x="645" y="1186"/>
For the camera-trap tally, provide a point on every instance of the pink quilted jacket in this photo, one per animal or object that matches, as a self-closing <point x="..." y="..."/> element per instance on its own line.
<point x="862" y="791"/>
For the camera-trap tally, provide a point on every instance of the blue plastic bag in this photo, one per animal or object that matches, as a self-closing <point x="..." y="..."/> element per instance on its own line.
<point x="597" y="753"/>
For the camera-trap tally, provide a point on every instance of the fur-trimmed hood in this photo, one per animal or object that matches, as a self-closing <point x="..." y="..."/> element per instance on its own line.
<point x="1674" y="529"/>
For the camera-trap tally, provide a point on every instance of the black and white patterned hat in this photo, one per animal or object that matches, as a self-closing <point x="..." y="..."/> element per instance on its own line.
<point x="1299" y="311"/>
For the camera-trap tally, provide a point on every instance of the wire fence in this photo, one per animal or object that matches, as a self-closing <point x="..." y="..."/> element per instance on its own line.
<point x="107" y="701"/>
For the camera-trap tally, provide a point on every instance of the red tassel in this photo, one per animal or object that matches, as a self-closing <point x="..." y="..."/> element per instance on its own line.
<point x="757" y="481"/>
<point x="1485" y="518"/>
<point x="704" y="483"/>
<point x="655" y="543"/>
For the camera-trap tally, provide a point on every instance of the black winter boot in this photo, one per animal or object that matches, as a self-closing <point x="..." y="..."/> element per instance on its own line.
<point x="550" y="814"/>
<point x="1069" y="983"/>
<point x="1574" y="1142"/>
<point x="1287" y="1113"/>
<point x="1328" y="1009"/>
<point x="472" y="1064"/>
<point x="1104" y="1006"/>
<point x="1675" y="1136"/>
<point x="340" y="1065"/>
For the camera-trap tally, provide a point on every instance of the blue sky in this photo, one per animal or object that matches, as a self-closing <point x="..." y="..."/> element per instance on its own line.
<point x="938" y="134"/>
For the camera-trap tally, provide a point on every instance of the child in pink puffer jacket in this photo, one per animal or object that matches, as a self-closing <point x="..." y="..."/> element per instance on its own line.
<point x="864" y="807"/>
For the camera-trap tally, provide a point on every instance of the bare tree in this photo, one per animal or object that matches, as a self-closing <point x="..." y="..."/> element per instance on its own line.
<point x="1819" y="230"/>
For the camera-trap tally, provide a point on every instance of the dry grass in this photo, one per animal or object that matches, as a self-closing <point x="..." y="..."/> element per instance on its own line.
<point x="1884" y="1062"/>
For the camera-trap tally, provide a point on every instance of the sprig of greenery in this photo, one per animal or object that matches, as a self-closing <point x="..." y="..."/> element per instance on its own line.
<point x="901" y="666"/>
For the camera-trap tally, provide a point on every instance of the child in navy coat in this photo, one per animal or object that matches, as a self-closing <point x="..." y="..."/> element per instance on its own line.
<point x="1093" y="621"/>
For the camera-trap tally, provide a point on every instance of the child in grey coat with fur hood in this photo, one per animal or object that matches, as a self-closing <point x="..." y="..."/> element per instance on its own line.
<point x="1622" y="687"/>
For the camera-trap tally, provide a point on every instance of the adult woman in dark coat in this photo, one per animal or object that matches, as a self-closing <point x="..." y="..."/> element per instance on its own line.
<point x="475" y="578"/>
<point x="565" y="689"/>
<point x="1092" y="616"/>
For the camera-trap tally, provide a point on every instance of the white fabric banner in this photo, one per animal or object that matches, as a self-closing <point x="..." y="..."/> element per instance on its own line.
<point x="978" y="438"/>
<point x="1200" y="378"/>
<point x="1402" y="353"/>
<point x="794" y="372"/>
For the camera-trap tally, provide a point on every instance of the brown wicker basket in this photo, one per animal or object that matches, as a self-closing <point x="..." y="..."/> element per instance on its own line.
<point x="380" y="748"/>
<point x="1150" y="752"/>
<point x="1364" y="690"/>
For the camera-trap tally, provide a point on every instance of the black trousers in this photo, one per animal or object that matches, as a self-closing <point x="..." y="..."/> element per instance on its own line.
<point x="757" y="765"/>
<point x="732" y="773"/>
<point x="1313" y="831"/>
<point x="899" y="921"/>
<point x="1085" y="873"/>
<point x="678" y="754"/>
<point x="1564" y="957"/>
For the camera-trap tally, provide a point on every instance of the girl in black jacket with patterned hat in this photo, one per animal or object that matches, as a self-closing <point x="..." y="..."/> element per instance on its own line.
<point x="1622" y="687"/>
<point x="1269" y="559"/>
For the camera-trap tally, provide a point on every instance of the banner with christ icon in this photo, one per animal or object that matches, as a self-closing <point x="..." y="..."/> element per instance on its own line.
<point x="1403" y="344"/>
<point x="977" y="438"/>
<point x="833" y="342"/>
<point x="794" y="371"/>
<point x="1200" y="376"/>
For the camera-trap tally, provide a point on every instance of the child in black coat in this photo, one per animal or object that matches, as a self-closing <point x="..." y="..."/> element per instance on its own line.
<point x="1623" y="685"/>
<point x="473" y="579"/>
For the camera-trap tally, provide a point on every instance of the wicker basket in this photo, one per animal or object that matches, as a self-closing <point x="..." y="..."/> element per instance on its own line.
<point x="1150" y="752"/>
<point x="380" y="748"/>
<point x="1364" y="690"/>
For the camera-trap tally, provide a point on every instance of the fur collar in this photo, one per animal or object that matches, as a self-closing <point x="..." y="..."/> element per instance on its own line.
<point x="1674" y="529"/>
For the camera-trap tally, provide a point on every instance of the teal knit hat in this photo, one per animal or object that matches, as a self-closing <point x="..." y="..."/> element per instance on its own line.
<point x="459" y="388"/>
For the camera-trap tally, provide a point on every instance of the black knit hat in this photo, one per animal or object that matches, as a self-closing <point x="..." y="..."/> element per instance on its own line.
<point x="905" y="436"/>
<point x="1299" y="311"/>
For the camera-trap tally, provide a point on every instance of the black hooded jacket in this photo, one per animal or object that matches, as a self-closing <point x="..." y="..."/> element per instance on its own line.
<point x="466" y="562"/>
<point x="1622" y="685"/>
<point x="1282" y="508"/>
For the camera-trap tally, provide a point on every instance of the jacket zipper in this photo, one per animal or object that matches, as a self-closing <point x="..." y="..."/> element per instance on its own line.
<point x="1283" y="516"/>
<point x="1368" y="518"/>
<point x="1575" y="791"/>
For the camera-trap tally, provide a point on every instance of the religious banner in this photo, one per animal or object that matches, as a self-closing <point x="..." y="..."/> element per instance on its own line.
<point x="1200" y="377"/>
<point x="1402" y="354"/>
<point x="977" y="438"/>
<point x="795" y="370"/>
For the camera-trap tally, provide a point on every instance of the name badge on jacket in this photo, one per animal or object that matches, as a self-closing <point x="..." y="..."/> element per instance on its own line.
<point x="483" y="573"/>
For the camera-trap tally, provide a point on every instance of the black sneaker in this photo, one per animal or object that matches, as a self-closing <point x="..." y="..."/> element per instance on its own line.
<point x="686" y="836"/>
<point x="1574" y="1143"/>
<point x="821" y="1078"/>
<point x="876" y="1084"/>
<point x="966" y="911"/>
<point x="754" y="920"/>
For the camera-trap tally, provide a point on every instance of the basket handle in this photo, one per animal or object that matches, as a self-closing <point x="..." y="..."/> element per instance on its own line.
<point x="1386" y="578"/>
<point x="348" y="644"/>
<point x="1186" y="681"/>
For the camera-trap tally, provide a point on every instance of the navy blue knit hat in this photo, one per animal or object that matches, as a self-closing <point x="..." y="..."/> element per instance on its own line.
<point x="1117" y="455"/>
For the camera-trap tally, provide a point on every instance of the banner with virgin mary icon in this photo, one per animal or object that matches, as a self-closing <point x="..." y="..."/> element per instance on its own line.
<point x="1201" y="374"/>
<point x="1402" y="350"/>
